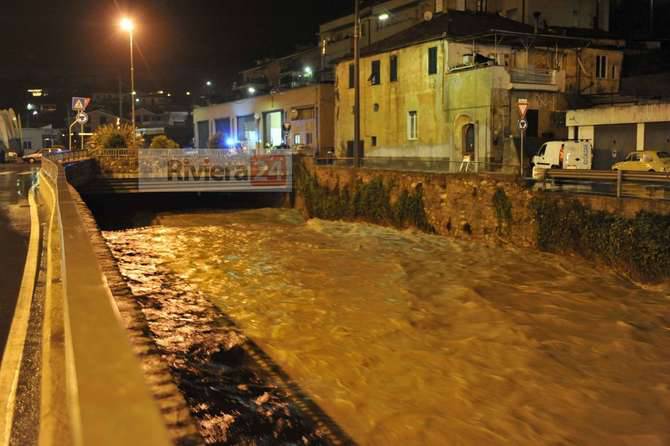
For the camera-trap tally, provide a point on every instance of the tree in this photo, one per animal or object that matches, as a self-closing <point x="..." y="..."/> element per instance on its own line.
<point x="112" y="137"/>
<point x="163" y="142"/>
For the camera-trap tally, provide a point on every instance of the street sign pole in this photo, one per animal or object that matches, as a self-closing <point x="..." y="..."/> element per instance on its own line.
<point x="523" y="125"/>
<point x="523" y="137"/>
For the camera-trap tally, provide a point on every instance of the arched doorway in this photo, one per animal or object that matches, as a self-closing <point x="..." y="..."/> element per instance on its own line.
<point x="468" y="147"/>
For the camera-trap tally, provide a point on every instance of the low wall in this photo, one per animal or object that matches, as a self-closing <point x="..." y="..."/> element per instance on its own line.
<point x="495" y="209"/>
<point x="94" y="391"/>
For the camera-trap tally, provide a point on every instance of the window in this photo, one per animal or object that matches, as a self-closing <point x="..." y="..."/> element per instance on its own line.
<point x="393" y="68"/>
<point x="533" y="119"/>
<point x="432" y="60"/>
<point x="412" y="123"/>
<point x="375" y="76"/>
<point x="613" y="71"/>
<point x="304" y="114"/>
<point x="352" y="75"/>
<point x="308" y="139"/>
<point x="27" y="145"/>
<point x="297" y="139"/>
<point x="601" y="67"/>
<point x="663" y="154"/>
<point x="374" y="141"/>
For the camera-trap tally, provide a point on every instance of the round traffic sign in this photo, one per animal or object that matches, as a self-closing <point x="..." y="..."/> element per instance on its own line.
<point x="523" y="124"/>
<point x="82" y="118"/>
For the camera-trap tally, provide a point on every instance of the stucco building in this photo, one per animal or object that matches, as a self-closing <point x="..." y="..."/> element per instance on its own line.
<point x="448" y="88"/>
<point x="258" y="121"/>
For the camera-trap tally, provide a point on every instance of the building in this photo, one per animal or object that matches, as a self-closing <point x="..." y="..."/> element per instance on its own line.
<point x="381" y="20"/>
<point x="449" y="87"/>
<point x="258" y="121"/>
<point x="617" y="130"/>
<point x="34" y="139"/>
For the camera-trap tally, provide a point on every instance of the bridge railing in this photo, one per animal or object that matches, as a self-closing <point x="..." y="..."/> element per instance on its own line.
<point x="106" y="401"/>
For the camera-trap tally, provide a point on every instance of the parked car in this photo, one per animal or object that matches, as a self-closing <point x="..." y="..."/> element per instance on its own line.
<point x="37" y="156"/>
<point x="646" y="161"/>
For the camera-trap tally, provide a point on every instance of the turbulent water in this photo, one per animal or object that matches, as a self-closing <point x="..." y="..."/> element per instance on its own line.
<point x="404" y="338"/>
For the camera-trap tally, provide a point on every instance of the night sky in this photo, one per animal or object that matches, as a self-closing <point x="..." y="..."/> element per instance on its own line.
<point x="77" y="45"/>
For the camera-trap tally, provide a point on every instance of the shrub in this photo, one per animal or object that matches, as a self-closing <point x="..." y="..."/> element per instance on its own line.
<point x="163" y="142"/>
<point x="112" y="137"/>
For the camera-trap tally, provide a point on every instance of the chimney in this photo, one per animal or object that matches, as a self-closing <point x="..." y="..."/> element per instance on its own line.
<point x="537" y="15"/>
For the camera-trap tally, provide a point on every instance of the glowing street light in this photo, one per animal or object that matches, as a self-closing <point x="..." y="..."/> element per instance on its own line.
<point x="128" y="26"/>
<point x="188" y="93"/>
<point x="251" y="90"/>
<point x="208" y="83"/>
<point x="384" y="17"/>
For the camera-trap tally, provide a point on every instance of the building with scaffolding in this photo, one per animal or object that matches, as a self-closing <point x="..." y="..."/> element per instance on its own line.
<point x="448" y="88"/>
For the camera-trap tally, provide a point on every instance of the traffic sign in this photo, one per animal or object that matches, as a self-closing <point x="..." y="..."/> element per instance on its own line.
<point x="523" y="124"/>
<point x="523" y="108"/>
<point x="82" y="118"/>
<point x="80" y="104"/>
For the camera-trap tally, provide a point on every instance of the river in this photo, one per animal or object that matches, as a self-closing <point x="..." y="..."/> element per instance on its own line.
<point x="406" y="338"/>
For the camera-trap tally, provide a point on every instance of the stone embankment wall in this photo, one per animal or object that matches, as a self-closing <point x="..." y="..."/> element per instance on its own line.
<point x="631" y="235"/>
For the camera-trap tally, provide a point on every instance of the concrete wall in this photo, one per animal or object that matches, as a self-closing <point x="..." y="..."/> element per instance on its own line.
<point x="319" y="97"/>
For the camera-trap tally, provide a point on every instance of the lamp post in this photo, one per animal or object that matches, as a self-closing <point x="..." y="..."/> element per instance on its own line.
<point x="357" y="85"/>
<point x="128" y="26"/>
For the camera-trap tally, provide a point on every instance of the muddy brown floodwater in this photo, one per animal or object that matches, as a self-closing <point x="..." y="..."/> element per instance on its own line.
<point x="403" y="338"/>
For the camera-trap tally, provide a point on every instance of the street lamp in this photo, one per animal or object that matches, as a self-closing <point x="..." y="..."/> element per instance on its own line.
<point x="128" y="26"/>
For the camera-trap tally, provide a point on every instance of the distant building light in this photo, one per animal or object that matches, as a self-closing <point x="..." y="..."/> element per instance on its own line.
<point x="137" y="100"/>
<point x="251" y="90"/>
<point x="308" y="71"/>
<point x="134" y="93"/>
<point x="36" y="92"/>
<point x="208" y="83"/>
<point x="188" y="93"/>
<point x="169" y="95"/>
<point x="384" y="17"/>
<point x="35" y="113"/>
<point x="161" y="92"/>
<point x="30" y="106"/>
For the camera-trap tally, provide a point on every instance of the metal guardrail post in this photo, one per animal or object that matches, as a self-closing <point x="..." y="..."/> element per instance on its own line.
<point x="619" y="185"/>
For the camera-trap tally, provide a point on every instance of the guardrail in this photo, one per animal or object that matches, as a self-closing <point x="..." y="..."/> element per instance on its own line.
<point x="618" y="178"/>
<point x="417" y="164"/>
<point x="107" y="401"/>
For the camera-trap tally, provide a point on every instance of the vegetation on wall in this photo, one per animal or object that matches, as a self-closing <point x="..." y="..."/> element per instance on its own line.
<point x="371" y="202"/>
<point x="503" y="208"/>
<point x="638" y="246"/>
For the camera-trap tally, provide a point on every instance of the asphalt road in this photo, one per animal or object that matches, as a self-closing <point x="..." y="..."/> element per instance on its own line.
<point x="15" y="182"/>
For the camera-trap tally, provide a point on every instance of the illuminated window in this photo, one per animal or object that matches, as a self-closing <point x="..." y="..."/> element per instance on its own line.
<point x="297" y="139"/>
<point x="412" y="125"/>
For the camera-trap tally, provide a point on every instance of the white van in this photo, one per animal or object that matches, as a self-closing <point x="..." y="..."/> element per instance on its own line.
<point x="564" y="155"/>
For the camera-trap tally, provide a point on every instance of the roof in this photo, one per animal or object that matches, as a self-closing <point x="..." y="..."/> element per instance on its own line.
<point x="469" y="26"/>
<point x="453" y="24"/>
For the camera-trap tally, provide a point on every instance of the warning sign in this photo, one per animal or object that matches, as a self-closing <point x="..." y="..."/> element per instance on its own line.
<point x="523" y="108"/>
<point x="80" y="104"/>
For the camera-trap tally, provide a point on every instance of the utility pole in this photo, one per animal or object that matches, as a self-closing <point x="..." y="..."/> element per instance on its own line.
<point x="357" y="85"/>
